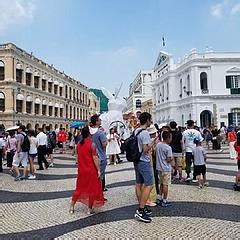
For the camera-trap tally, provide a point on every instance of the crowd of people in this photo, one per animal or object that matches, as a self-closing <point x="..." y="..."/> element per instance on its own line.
<point x="163" y="154"/>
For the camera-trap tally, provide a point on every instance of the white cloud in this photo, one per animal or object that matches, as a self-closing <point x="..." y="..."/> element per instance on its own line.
<point x="216" y="10"/>
<point x="235" y="9"/>
<point x="225" y="8"/>
<point x="14" y="12"/>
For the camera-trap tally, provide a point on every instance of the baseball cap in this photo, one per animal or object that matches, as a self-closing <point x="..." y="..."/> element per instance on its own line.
<point x="197" y="140"/>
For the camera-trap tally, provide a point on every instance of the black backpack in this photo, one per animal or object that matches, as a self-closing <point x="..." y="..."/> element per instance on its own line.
<point x="51" y="139"/>
<point x="25" y="144"/>
<point x="132" y="150"/>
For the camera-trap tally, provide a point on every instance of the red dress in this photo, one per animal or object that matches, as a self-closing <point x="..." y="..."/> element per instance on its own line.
<point x="88" y="185"/>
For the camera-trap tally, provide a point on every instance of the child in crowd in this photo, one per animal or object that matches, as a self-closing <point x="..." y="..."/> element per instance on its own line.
<point x="163" y="165"/>
<point x="200" y="157"/>
<point x="237" y="148"/>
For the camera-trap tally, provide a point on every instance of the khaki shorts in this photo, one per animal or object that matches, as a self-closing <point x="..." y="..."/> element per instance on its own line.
<point x="165" y="178"/>
<point x="22" y="158"/>
<point x="177" y="161"/>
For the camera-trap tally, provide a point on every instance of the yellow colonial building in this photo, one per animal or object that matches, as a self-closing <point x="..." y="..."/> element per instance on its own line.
<point x="36" y="94"/>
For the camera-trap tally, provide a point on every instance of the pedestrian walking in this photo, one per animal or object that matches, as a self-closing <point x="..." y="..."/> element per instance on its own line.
<point x="112" y="148"/>
<point x="154" y="194"/>
<point x="100" y="140"/>
<point x="200" y="158"/>
<point x="42" y="149"/>
<point x="176" y="145"/>
<point x="232" y="136"/>
<point x="11" y="147"/>
<point x="32" y="153"/>
<point x="2" y="147"/>
<point x="237" y="149"/>
<point x="21" y="154"/>
<point x="143" y="168"/>
<point x="164" y="158"/>
<point x="51" y="144"/>
<point x="216" y="139"/>
<point x="188" y="146"/>
<point x="88" y="185"/>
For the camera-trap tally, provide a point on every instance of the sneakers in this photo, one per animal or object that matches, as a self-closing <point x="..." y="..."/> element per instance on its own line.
<point x="142" y="216"/>
<point x="23" y="178"/>
<point x="51" y="165"/>
<point x="166" y="203"/>
<point x="151" y="204"/>
<point x="31" y="177"/>
<point x="194" y="181"/>
<point x="159" y="202"/>
<point x="148" y="211"/>
<point x="188" y="179"/>
<point x="206" y="184"/>
<point x="200" y="186"/>
<point x="18" y="178"/>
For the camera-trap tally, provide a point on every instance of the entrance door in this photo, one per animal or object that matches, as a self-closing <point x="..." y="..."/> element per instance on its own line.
<point x="206" y="118"/>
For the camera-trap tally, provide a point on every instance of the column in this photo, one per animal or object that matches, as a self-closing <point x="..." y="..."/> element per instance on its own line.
<point x="9" y="68"/>
<point x="24" y="103"/>
<point x="24" y="73"/>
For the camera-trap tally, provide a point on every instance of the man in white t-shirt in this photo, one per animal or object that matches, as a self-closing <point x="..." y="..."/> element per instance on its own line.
<point x="188" y="146"/>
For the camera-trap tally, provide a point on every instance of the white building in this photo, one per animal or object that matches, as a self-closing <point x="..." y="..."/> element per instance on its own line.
<point x="140" y="90"/>
<point x="204" y="87"/>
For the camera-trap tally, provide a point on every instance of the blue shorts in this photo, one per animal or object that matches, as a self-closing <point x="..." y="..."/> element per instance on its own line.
<point x="144" y="173"/>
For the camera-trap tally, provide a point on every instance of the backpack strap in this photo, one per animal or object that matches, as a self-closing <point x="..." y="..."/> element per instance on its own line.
<point x="138" y="131"/>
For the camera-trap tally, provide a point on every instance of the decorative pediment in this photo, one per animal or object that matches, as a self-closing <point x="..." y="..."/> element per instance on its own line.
<point x="162" y="58"/>
<point x="233" y="70"/>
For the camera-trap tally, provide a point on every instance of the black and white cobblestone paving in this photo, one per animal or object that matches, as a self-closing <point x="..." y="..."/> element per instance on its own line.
<point x="38" y="209"/>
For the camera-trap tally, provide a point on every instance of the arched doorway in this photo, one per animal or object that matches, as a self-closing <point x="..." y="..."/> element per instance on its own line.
<point x="206" y="118"/>
<point x="36" y="126"/>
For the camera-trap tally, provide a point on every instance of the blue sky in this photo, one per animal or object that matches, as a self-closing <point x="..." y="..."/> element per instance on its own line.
<point x="103" y="43"/>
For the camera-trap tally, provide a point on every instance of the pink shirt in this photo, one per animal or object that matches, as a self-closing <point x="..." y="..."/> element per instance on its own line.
<point x="11" y="144"/>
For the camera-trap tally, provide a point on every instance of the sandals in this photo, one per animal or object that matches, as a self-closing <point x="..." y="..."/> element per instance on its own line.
<point x="71" y="211"/>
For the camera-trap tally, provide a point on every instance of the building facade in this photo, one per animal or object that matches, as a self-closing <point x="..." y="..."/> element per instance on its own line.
<point x="102" y="98"/>
<point x="35" y="94"/>
<point x="204" y="87"/>
<point x="94" y="104"/>
<point x="140" y="90"/>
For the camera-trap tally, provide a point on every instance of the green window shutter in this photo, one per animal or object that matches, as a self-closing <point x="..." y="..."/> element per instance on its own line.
<point x="228" y="82"/>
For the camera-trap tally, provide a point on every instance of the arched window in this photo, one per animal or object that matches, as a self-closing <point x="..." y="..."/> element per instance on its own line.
<point x="19" y="73"/>
<point x="86" y="115"/>
<point x="2" y="71"/>
<point x="29" y="104"/>
<point x="19" y="102"/>
<point x="2" y="102"/>
<point x="181" y="87"/>
<point x="28" y="76"/>
<point x="203" y="81"/>
<point x="188" y="84"/>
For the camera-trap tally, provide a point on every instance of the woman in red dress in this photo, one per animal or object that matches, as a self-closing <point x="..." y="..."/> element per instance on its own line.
<point x="88" y="185"/>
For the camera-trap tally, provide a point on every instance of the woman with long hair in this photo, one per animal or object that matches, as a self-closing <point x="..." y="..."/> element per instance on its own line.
<point x="113" y="147"/>
<point x="32" y="153"/>
<point x="88" y="185"/>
